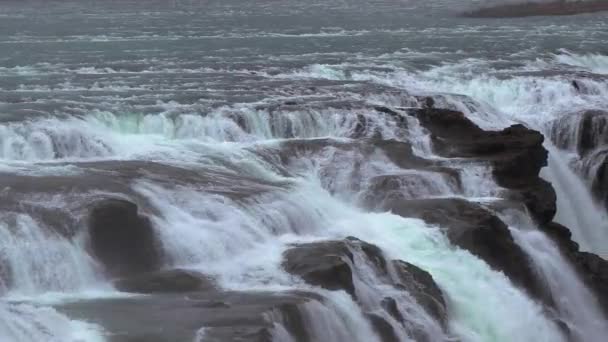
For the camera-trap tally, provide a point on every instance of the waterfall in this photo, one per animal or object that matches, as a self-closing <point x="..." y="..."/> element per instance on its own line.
<point x="576" y="305"/>
<point x="575" y="206"/>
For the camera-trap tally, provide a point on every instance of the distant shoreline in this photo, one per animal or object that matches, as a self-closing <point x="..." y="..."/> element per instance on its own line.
<point x="539" y="9"/>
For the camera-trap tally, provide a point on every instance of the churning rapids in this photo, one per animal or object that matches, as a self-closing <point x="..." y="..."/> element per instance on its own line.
<point x="301" y="171"/>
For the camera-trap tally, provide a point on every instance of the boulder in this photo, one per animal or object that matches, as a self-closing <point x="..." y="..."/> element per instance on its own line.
<point x="326" y="264"/>
<point x="422" y="287"/>
<point x="470" y="226"/>
<point x="121" y="239"/>
<point x="166" y="281"/>
<point x="540" y="199"/>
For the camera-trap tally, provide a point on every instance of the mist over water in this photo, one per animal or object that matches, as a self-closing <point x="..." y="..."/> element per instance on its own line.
<point x="241" y="129"/>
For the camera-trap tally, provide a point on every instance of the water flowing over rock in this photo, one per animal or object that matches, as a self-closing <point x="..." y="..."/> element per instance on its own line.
<point x="474" y="228"/>
<point x="333" y="265"/>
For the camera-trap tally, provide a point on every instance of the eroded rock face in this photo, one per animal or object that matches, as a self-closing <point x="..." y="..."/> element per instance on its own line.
<point x="166" y="281"/>
<point x="121" y="239"/>
<point x="332" y="265"/>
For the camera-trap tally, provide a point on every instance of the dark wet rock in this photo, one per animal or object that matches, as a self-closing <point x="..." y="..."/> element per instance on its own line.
<point x="515" y="153"/>
<point x="332" y="265"/>
<point x="422" y="287"/>
<point x="246" y="317"/>
<point x="470" y="226"/>
<point x="166" y="281"/>
<point x="383" y="328"/>
<point x="561" y="235"/>
<point x="454" y="135"/>
<point x="121" y="239"/>
<point x="325" y="264"/>
<point x="531" y="8"/>
<point x="540" y="198"/>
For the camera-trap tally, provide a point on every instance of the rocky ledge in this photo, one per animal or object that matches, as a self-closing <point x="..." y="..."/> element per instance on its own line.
<point x="516" y="155"/>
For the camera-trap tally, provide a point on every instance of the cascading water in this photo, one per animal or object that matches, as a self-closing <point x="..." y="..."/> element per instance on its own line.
<point x="575" y="207"/>
<point x="576" y="305"/>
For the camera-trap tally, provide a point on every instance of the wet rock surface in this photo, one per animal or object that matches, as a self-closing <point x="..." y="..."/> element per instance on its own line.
<point x="123" y="240"/>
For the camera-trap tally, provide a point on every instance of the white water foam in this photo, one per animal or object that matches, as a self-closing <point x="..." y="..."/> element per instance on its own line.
<point x="28" y="323"/>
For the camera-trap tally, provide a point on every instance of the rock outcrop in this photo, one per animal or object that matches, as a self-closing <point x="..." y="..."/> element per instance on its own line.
<point x="516" y="155"/>
<point x="122" y="239"/>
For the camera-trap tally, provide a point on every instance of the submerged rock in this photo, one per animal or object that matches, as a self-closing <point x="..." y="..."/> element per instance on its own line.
<point x="121" y="239"/>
